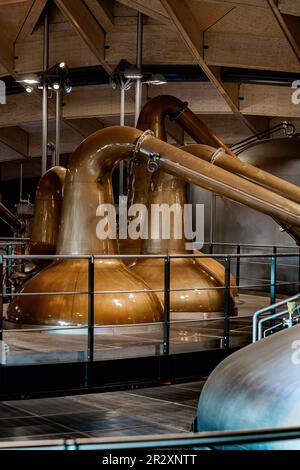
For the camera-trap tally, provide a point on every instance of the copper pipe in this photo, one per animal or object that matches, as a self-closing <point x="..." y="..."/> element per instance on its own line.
<point x="153" y="116"/>
<point x="47" y="212"/>
<point x="222" y="182"/>
<point x="10" y="219"/>
<point x="88" y="184"/>
<point x="256" y="175"/>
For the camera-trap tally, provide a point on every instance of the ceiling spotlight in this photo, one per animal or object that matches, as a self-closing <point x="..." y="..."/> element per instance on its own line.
<point x="56" y="86"/>
<point x="156" y="79"/>
<point x="32" y="79"/>
<point x="29" y="89"/>
<point x="68" y="88"/>
<point x="133" y="73"/>
<point x="62" y="65"/>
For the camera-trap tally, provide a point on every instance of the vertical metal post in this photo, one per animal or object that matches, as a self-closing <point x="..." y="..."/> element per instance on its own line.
<point x="1" y="301"/>
<point x="122" y="122"/>
<point x="59" y="95"/>
<point x="211" y="248"/>
<point x="139" y="57"/>
<point x="9" y="252"/>
<point x="238" y="265"/>
<point x="21" y="182"/>
<point x="91" y="290"/>
<point x="273" y="277"/>
<point x="213" y="210"/>
<point x="166" y="346"/>
<point x="227" y="303"/>
<point x="45" y="92"/>
<point x="298" y="286"/>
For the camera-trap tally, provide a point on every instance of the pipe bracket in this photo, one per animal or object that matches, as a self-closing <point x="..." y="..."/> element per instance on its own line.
<point x="216" y="154"/>
<point x="139" y="143"/>
<point x="153" y="162"/>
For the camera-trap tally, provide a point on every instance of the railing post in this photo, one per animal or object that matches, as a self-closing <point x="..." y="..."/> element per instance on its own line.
<point x="166" y="345"/>
<point x="91" y="294"/>
<point x="9" y="252"/>
<point x="273" y="277"/>
<point x="211" y="248"/>
<point x="298" y="286"/>
<point x="1" y="303"/>
<point x="227" y="303"/>
<point x="238" y="265"/>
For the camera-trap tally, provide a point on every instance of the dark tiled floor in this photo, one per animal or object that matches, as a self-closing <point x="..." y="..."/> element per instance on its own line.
<point x="156" y="410"/>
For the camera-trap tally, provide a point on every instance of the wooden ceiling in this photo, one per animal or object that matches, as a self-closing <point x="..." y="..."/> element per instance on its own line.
<point x="253" y="34"/>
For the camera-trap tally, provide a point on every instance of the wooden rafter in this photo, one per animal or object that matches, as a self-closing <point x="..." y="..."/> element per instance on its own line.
<point x="103" y="12"/>
<point x="290" y="26"/>
<point x="183" y="19"/>
<point x="87" y="27"/>
<point x="31" y="19"/>
<point x="16" y="139"/>
<point x="150" y="8"/>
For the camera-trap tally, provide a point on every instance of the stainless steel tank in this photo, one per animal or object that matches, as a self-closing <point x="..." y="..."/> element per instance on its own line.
<point x="256" y="387"/>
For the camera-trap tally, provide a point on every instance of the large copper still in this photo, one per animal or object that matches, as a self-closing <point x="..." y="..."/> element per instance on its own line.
<point x="205" y="277"/>
<point x="88" y="184"/>
<point x="47" y="212"/>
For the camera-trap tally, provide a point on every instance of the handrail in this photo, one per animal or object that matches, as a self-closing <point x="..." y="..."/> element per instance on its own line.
<point x="201" y="439"/>
<point x="257" y="324"/>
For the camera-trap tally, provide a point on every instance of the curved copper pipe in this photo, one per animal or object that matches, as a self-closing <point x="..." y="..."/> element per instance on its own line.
<point x="47" y="212"/>
<point x="156" y="110"/>
<point x="153" y="116"/>
<point x="88" y="184"/>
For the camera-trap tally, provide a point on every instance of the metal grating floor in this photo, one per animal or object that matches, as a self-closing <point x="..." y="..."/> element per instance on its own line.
<point x="159" y="410"/>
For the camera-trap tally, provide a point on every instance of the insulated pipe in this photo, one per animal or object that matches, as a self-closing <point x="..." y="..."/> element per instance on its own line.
<point x="45" y="92"/>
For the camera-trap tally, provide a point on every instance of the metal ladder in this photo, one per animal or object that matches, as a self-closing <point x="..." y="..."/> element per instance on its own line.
<point x="287" y="318"/>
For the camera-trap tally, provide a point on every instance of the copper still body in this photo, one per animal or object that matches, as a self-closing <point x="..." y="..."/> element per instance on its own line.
<point x="88" y="184"/>
<point x="206" y="294"/>
<point x="47" y="213"/>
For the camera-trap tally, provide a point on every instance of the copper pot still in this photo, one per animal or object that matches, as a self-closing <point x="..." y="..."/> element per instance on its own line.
<point x="201" y="280"/>
<point x="88" y="184"/>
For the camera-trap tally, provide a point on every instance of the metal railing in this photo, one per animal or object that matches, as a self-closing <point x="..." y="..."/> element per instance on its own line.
<point x="202" y="440"/>
<point x="90" y="326"/>
<point x="258" y="322"/>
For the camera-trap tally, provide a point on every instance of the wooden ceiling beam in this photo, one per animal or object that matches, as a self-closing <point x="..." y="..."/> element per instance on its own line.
<point x="151" y="8"/>
<point x="289" y="7"/>
<point x="290" y="26"/>
<point x="103" y="12"/>
<point x="85" y="127"/>
<point x="101" y="102"/>
<point x="16" y="139"/>
<point x="31" y="19"/>
<point x="87" y="27"/>
<point x="183" y="18"/>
